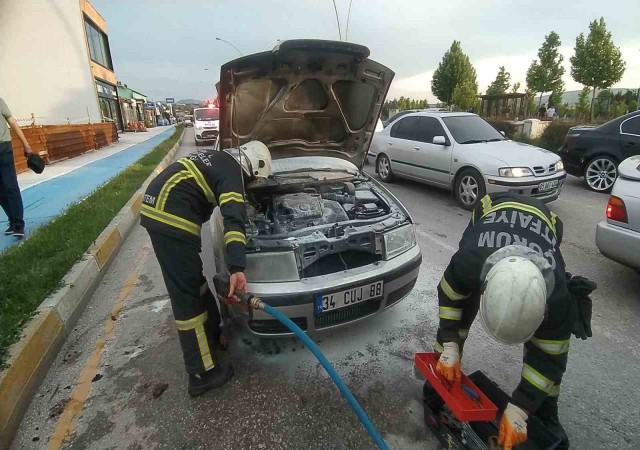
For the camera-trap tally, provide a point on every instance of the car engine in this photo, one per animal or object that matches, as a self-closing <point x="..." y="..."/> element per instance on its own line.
<point x="284" y="213"/>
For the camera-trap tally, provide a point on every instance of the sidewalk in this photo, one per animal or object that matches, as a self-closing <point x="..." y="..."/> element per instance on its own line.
<point x="49" y="194"/>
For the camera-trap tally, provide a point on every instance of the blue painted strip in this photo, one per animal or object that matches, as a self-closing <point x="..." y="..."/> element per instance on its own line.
<point x="49" y="199"/>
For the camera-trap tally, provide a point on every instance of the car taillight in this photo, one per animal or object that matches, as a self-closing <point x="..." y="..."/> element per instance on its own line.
<point x="616" y="210"/>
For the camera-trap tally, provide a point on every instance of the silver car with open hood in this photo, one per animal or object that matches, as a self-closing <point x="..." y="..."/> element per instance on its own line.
<point x="326" y="244"/>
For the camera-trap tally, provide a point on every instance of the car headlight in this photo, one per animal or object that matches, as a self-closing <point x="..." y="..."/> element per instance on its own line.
<point x="559" y="166"/>
<point x="515" y="172"/>
<point x="271" y="267"/>
<point x="398" y="241"/>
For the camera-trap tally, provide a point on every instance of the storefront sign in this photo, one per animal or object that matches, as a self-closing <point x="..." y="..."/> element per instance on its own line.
<point x="170" y="100"/>
<point x="106" y="90"/>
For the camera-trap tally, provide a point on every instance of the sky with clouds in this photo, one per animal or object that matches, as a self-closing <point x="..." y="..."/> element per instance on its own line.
<point x="167" y="48"/>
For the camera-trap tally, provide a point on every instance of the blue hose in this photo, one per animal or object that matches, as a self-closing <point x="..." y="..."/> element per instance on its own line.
<point x="366" y="422"/>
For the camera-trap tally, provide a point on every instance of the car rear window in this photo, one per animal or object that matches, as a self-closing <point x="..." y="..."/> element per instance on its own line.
<point x="207" y="114"/>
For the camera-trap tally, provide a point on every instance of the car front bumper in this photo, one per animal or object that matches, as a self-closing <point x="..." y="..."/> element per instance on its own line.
<point x="528" y="186"/>
<point x="206" y="135"/>
<point x="297" y="299"/>
<point x="619" y="244"/>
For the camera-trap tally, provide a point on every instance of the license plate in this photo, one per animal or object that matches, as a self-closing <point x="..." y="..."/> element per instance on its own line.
<point x="342" y="299"/>
<point x="548" y="185"/>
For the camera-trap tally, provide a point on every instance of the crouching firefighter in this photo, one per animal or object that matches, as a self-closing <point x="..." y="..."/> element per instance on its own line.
<point x="509" y="268"/>
<point x="176" y="204"/>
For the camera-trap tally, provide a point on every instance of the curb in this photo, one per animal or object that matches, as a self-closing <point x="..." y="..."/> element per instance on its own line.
<point x="56" y="316"/>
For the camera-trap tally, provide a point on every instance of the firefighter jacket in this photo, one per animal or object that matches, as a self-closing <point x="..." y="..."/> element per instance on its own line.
<point x="181" y="198"/>
<point x="510" y="219"/>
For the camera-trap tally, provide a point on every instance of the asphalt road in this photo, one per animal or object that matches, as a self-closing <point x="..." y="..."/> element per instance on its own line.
<point x="281" y="398"/>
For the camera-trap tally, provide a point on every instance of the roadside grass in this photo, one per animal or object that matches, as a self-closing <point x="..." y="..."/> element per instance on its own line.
<point x="29" y="272"/>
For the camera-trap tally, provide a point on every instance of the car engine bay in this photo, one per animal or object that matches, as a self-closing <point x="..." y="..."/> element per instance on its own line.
<point x="285" y="213"/>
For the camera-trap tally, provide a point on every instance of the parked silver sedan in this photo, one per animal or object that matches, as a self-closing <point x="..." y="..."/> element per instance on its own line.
<point x="618" y="237"/>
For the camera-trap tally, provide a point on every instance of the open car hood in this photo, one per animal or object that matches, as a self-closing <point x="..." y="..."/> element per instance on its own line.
<point x="304" y="98"/>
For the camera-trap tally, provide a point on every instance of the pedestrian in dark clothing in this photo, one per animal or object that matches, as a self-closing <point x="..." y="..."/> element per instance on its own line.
<point x="10" y="198"/>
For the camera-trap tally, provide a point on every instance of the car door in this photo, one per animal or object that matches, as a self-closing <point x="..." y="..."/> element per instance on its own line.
<point x="401" y="145"/>
<point x="432" y="161"/>
<point x="630" y="137"/>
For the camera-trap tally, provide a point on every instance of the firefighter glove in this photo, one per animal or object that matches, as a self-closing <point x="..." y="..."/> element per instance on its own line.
<point x="449" y="363"/>
<point x="581" y="288"/>
<point x="513" y="427"/>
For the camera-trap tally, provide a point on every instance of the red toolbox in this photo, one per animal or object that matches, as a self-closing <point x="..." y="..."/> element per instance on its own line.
<point x="466" y="401"/>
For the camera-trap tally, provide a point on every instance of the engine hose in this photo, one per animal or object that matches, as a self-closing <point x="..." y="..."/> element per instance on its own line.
<point x="366" y="422"/>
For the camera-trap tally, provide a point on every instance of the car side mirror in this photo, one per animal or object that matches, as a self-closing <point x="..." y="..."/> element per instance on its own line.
<point x="440" y="140"/>
<point x="503" y="133"/>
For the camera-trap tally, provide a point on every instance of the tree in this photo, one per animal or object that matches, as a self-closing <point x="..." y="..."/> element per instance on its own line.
<point x="555" y="99"/>
<point x="454" y="69"/>
<point x="515" y="88"/>
<point x="465" y="95"/>
<point x="597" y="63"/>
<point x="618" y="109"/>
<point x="582" y="107"/>
<point x="546" y="75"/>
<point x="501" y="83"/>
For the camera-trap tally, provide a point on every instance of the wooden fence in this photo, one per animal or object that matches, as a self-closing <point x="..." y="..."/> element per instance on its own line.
<point x="57" y="142"/>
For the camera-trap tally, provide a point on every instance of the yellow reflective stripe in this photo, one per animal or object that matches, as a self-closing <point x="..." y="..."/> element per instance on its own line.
<point x="197" y="175"/>
<point x="170" y="219"/>
<point x="230" y="197"/>
<point x="449" y="292"/>
<point x="486" y="204"/>
<point x="170" y="184"/>
<point x="234" y="236"/>
<point x="191" y="324"/>
<point x="438" y="347"/>
<point x="554" y="218"/>
<point x="554" y="391"/>
<point x="522" y="207"/>
<point x="450" y="313"/>
<point x="537" y="379"/>
<point x="203" y="345"/>
<point x="204" y="288"/>
<point x="463" y="334"/>
<point x="552" y="347"/>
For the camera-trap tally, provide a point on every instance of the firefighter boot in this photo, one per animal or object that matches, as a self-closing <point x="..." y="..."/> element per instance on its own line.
<point x="548" y="414"/>
<point x="216" y="377"/>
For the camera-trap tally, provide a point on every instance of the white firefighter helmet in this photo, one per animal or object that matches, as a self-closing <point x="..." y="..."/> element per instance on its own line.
<point x="255" y="159"/>
<point x="513" y="300"/>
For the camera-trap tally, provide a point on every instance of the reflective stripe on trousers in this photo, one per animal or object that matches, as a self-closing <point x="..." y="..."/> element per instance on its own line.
<point x="197" y="325"/>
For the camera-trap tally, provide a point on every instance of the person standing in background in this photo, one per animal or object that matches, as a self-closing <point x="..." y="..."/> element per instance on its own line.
<point x="10" y="198"/>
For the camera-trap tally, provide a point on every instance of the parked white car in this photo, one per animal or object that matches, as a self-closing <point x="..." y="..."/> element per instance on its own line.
<point x="618" y="237"/>
<point x="462" y="152"/>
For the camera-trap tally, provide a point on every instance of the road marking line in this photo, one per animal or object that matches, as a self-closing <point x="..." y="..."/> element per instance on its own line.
<point x="437" y="241"/>
<point x="67" y="421"/>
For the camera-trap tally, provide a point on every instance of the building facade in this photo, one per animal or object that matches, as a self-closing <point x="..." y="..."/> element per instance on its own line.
<point x="55" y="63"/>
<point x="131" y="105"/>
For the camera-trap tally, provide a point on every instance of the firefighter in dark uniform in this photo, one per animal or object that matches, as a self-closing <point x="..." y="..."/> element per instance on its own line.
<point x="176" y="204"/>
<point x="510" y="269"/>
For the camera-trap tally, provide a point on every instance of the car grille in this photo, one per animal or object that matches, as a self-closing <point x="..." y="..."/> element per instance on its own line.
<point x="210" y="133"/>
<point x="347" y="314"/>
<point x="400" y="293"/>
<point x="275" y="327"/>
<point x="540" y="170"/>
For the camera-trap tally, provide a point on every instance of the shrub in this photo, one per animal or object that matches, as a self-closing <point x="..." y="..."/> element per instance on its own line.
<point x="553" y="136"/>
<point x="504" y="125"/>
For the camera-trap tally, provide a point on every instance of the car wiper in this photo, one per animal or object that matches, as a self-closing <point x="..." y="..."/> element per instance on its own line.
<point x="474" y="141"/>
<point x="496" y="140"/>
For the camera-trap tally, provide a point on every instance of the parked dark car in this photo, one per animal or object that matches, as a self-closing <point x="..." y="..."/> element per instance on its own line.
<point x="595" y="152"/>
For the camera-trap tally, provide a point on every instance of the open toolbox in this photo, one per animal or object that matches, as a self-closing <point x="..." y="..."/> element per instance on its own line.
<point x="464" y="421"/>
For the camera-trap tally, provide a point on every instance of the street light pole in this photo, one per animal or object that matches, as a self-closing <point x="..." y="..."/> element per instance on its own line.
<point x="271" y="43"/>
<point x="227" y="42"/>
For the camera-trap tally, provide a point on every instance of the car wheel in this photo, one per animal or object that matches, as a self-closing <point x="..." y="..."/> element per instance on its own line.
<point x="383" y="167"/>
<point x="601" y="173"/>
<point x="469" y="189"/>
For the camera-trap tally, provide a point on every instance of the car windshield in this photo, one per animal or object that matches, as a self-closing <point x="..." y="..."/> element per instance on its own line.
<point x="471" y="130"/>
<point x="207" y="114"/>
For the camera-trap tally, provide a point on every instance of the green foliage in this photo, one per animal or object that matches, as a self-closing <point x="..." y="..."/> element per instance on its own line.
<point x="583" y="105"/>
<point x="555" y="99"/>
<point x="545" y="73"/>
<point x="403" y="103"/>
<point x="618" y="109"/>
<point x="531" y="103"/>
<point x="34" y="269"/>
<point x="505" y="125"/>
<point x="553" y="136"/>
<point x="465" y="96"/>
<point x="501" y="84"/>
<point x="454" y="69"/>
<point x="597" y="62"/>
<point x="515" y="88"/>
